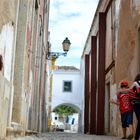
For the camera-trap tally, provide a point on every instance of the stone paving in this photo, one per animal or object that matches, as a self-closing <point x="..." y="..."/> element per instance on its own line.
<point x="65" y="136"/>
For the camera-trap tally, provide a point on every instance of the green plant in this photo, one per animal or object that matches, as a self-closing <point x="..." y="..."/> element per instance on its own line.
<point x="64" y="110"/>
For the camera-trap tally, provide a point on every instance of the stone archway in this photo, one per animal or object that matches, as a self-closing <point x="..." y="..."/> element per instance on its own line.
<point x="78" y="110"/>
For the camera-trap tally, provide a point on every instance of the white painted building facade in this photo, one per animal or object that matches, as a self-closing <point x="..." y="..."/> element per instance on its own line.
<point x="67" y="90"/>
<point x="59" y="95"/>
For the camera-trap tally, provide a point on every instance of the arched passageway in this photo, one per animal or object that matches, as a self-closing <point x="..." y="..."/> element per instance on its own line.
<point x="67" y="122"/>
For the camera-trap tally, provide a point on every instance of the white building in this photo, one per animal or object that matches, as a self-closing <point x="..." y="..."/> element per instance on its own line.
<point x="67" y="89"/>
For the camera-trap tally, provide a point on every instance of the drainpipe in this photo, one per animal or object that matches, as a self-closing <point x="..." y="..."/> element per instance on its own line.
<point x="50" y="93"/>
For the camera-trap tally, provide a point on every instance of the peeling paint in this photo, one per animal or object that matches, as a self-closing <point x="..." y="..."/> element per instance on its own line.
<point x="6" y="46"/>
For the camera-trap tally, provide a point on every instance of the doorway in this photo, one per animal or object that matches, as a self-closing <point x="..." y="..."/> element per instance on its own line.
<point x="107" y="109"/>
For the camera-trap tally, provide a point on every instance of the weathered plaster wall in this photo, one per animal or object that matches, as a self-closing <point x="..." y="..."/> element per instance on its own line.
<point x="21" y="45"/>
<point x="109" y="36"/>
<point x="4" y="105"/>
<point x="6" y="48"/>
<point x="19" y="94"/>
<point x="127" y="47"/>
<point x="7" y="11"/>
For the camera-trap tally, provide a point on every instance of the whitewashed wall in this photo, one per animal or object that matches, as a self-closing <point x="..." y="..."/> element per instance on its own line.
<point x="60" y="97"/>
<point x="6" y="48"/>
<point x="6" y="89"/>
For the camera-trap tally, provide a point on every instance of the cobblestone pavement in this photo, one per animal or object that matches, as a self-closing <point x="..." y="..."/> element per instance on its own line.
<point x="65" y="136"/>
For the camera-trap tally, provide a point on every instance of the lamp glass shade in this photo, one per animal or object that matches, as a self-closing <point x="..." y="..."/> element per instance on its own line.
<point x="66" y="45"/>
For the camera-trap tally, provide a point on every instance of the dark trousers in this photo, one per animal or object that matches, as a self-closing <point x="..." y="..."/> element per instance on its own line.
<point x="137" y="112"/>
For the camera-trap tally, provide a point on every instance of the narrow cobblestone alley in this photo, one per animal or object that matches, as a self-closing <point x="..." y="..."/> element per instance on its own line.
<point x="62" y="63"/>
<point x="65" y="136"/>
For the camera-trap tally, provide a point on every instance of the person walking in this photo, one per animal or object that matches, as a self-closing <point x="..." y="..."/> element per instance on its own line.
<point x="126" y="110"/>
<point x="135" y="97"/>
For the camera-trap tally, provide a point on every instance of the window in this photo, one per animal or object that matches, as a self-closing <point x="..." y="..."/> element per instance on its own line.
<point x="67" y="86"/>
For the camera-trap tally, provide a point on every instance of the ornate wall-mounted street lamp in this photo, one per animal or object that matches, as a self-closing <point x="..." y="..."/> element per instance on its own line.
<point x="54" y="55"/>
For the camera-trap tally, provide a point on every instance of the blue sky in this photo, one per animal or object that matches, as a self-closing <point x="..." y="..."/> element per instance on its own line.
<point x="72" y="19"/>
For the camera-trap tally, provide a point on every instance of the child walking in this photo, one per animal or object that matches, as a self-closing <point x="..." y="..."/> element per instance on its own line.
<point x="126" y="109"/>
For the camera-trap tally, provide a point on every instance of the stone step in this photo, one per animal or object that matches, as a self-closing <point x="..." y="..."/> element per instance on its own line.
<point x="14" y="130"/>
<point x="30" y="132"/>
